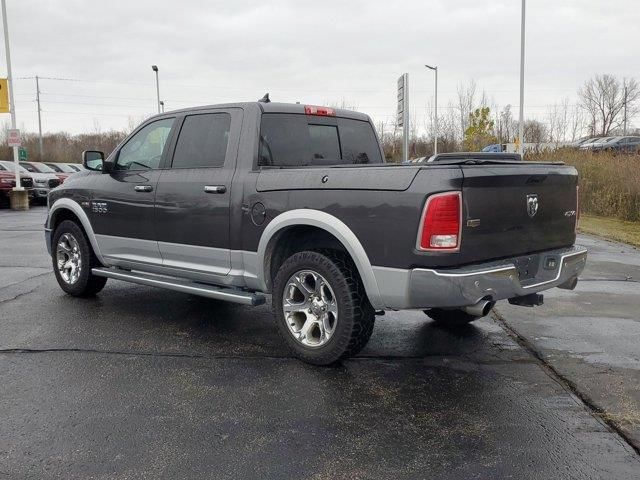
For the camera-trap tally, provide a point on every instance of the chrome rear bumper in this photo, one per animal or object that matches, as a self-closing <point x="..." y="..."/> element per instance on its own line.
<point x="426" y="288"/>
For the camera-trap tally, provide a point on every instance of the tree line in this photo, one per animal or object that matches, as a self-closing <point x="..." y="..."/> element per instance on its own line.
<point x="606" y="105"/>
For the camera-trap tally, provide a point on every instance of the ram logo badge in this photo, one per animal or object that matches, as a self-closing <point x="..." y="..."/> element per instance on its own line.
<point x="532" y="204"/>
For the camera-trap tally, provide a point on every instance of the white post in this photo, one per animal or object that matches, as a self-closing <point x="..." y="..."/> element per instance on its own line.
<point x="405" y="126"/>
<point x="521" y="119"/>
<point x="435" y="140"/>
<point x="155" y="69"/>
<point x="624" y="128"/>
<point x="12" y="105"/>
<point x="39" y="118"/>
<point x="435" y="115"/>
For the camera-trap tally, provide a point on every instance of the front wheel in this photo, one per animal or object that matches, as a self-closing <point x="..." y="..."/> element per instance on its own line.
<point x="73" y="259"/>
<point x="321" y="308"/>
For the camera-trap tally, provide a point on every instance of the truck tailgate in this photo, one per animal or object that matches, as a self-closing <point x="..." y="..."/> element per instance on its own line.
<point x="516" y="209"/>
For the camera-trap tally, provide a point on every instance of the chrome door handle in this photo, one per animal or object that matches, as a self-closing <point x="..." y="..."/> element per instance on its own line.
<point x="215" y="189"/>
<point x="143" y="188"/>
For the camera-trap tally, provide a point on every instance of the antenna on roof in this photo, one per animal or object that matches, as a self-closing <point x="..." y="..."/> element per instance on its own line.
<point x="265" y="99"/>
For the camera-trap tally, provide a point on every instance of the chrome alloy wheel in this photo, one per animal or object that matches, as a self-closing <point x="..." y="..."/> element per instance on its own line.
<point x="68" y="258"/>
<point x="310" y="308"/>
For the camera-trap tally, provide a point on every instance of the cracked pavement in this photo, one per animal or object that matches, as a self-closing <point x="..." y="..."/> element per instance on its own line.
<point x="145" y="383"/>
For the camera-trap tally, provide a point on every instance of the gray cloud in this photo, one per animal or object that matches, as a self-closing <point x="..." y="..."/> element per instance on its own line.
<point x="313" y="52"/>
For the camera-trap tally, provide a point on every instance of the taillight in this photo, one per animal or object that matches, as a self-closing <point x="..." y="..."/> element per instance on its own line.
<point x="441" y="223"/>
<point x="320" y="111"/>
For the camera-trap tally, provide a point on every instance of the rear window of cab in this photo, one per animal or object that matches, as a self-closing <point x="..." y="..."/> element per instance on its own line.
<point x="297" y="140"/>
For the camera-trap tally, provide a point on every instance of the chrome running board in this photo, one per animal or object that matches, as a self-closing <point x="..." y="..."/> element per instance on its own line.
<point x="180" y="285"/>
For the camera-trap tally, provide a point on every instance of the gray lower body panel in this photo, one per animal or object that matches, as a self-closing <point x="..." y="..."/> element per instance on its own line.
<point x="423" y="288"/>
<point x="181" y="285"/>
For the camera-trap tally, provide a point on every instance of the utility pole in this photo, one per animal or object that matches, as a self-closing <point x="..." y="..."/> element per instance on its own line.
<point x="624" y="122"/>
<point x="521" y="119"/>
<point x="155" y="69"/>
<point x="39" y="118"/>
<point x="435" y="116"/>
<point x="12" y="104"/>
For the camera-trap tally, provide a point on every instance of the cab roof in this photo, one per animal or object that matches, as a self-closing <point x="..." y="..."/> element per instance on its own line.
<point x="271" y="107"/>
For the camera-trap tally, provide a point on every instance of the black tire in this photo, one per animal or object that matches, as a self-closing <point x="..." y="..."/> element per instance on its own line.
<point x="87" y="284"/>
<point x="356" y="317"/>
<point x="450" y="318"/>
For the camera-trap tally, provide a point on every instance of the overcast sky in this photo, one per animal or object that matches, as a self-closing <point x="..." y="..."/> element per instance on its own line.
<point x="314" y="52"/>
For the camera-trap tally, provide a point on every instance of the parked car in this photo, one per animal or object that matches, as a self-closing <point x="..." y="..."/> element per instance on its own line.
<point x="595" y="143"/>
<point x="622" y="145"/>
<point x="61" y="168"/>
<point x="39" y="167"/>
<point x="76" y="167"/>
<point x="495" y="148"/>
<point x="241" y="201"/>
<point x="580" y="142"/>
<point x="42" y="182"/>
<point x="8" y="182"/>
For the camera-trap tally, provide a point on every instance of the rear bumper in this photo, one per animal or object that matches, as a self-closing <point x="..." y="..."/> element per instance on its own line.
<point x="422" y="288"/>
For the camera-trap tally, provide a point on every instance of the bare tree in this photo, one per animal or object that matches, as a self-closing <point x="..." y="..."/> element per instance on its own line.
<point x="534" y="131"/>
<point x="603" y="97"/>
<point x="505" y="125"/>
<point x="465" y="104"/>
<point x="576" y="122"/>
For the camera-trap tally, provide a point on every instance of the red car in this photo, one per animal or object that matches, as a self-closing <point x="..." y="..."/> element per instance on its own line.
<point x="8" y="181"/>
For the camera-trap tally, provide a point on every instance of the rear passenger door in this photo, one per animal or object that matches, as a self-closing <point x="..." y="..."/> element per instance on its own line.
<point x="194" y="191"/>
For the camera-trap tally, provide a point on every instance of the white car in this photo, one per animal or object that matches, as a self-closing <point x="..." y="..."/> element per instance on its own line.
<point x="42" y="182"/>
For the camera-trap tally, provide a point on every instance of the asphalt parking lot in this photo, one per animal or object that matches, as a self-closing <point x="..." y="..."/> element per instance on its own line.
<point x="146" y="383"/>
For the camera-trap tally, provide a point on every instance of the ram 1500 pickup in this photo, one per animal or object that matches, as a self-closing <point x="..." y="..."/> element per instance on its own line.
<point x="249" y="200"/>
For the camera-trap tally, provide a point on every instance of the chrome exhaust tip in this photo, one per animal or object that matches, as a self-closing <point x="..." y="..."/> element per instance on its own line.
<point x="480" y="309"/>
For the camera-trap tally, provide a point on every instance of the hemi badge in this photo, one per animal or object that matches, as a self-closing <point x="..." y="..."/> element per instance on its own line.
<point x="473" y="223"/>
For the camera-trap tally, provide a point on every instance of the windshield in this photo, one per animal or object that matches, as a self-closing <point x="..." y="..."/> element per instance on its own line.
<point x="42" y="168"/>
<point x="58" y="167"/>
<point x="10" y="167"/>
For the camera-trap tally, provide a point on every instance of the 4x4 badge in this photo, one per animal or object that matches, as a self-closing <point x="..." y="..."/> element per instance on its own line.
<point x="532" y="204"/>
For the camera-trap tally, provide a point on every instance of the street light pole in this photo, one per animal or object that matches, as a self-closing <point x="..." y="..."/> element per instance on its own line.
<point x="435" y="115"/>
<point x="12" y="105"/>
<point x="155" y="69"/>
<point x="39" y="117"/>
<point x="162" y="105"/>
<point x="521" y="119"/>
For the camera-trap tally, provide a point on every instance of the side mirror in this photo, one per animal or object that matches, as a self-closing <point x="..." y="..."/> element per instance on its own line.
<point x="93" y="160"/>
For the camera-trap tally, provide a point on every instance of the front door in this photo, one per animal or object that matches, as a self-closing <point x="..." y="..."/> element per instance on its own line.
<point x="122" y="208"/>
<point x="193" y="194"/>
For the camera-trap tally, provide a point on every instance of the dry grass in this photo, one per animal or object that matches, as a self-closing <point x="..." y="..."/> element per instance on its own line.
<point x="609" y="184"/>
<point x="611" y="228"/>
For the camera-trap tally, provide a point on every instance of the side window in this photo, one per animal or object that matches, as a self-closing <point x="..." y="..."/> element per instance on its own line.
<point x="294" y="140"/>
<point x="203" y="141"/>
<point x="324" y="145"/>
<point x="144" y="150"/>
<point x="359" y="144"/>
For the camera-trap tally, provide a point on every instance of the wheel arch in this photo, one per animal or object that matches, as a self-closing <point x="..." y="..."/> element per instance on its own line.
<point x="66" y="208"/>
<point x="330" y="224"/>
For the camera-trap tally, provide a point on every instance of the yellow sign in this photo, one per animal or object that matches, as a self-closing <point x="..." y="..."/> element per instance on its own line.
<point x="4" y="96"/>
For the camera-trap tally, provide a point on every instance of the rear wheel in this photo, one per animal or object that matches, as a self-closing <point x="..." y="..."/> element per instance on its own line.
<point x="73" y="259"/>
<point x="321" y="308"/>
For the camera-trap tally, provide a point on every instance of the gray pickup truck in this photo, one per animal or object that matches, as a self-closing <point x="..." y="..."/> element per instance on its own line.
<point x="241" y="201"/>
